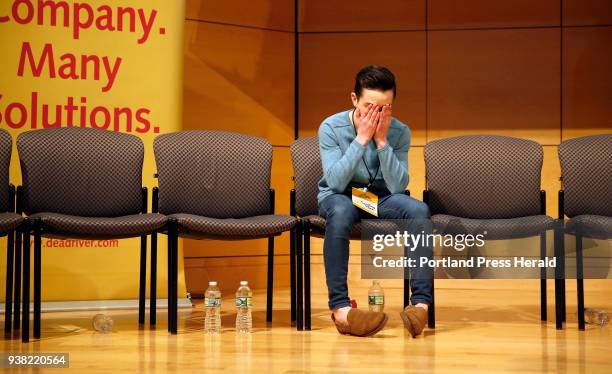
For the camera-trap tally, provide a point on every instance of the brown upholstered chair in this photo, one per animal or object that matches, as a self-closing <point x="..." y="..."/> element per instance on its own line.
<point x="81" y="183"/>
<point x="9" y="224"/>
<point x="586" y="197"/>
<point x="488" y="183"/>
<point x="308" y="170"/>
<point x="216" y="185"/>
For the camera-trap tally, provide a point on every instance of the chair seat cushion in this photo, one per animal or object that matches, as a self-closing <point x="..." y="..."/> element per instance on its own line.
<point x="593" y="226"/>
<point x="494" y="229"/>
<point x="9" y="221"/>
<point x="62" y="225"/>
<point x="196" y="226"/>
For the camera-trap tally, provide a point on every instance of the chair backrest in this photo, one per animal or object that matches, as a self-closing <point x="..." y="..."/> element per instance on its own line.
<point x="6" y="144"/>
<point x="308" y="170"/>
<point x="81" y="171"/>
<point x="215" y="174"/>
<point x="586" y="168"/>
<point x="484" y="176"/>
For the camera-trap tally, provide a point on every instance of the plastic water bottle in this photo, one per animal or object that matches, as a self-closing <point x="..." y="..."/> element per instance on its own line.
<point x="102" y="323"/>
<point x="212" y="305"/>
<point x="596" y="317"/>
<point x="244" y="321"/>
<point x="376" y="297"/>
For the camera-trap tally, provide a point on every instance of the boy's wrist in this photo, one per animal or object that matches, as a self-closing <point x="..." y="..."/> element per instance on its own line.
<point x="362" y="140"/>
<point x="381" y="144"/>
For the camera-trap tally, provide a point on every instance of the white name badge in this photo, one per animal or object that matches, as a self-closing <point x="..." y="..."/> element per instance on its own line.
<point x="365" y="200"/>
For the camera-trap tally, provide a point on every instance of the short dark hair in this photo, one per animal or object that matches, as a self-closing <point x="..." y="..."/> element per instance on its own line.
<point x="374" y="77"/>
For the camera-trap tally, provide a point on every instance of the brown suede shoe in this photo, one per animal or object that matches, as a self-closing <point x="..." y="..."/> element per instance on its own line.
<point x="415" y="319"/>
<point x="362" y="323"/>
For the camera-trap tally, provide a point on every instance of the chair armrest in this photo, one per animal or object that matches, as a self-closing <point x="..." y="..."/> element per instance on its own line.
<point x="542" y="202"/>
<point x="561" y="205"/>
<point x="19" y="200"/>
<point x="426" y="196"/>
<point x="272" y="195"/>
<point x="155" y="200"/>
<point x="292" y="202"/>
<point x="145" y="194"/>
<point x="11" y="190"/>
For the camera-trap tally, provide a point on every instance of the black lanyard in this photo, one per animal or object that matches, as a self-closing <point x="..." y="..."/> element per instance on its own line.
<point x="370" y="179"/>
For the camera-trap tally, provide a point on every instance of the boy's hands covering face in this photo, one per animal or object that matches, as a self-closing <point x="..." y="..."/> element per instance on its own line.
<point x="380" y="136"/>
<point x="373" y="124"/>
<point x="367" y="123"/>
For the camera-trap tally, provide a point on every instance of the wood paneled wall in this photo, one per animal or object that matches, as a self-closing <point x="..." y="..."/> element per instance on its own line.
<point x="532" y="69"/>
<point x="537" y="70"/>
<point x="239" y="64"/>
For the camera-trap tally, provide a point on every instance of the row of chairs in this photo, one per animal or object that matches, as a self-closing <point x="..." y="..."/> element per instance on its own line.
<point x="484" y="183"/>
<point x="87" y="183"/>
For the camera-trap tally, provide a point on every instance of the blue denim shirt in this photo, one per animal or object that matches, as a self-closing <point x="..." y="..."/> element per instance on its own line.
<point x="343" y="158"/>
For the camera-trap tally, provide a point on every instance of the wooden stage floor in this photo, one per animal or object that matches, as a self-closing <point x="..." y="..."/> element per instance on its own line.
<point x="491" y="327"/>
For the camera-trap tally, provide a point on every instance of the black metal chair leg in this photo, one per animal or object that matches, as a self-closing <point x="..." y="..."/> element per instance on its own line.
<point x="307" y="282"/>
<point x="579" y="279"/>
<point x="37" y="277"/>
<point x="559" y="275"/>
<point x="8" y="302"/>
<point x="292" y="271"/>
<point x="431" y="311"/>
<point x="299" y="279"/>
<point x="563" y="299"/>
<point x="25" y="300"/>
<point x="174" y="281"/>
<point x="170" y="267"/>
<point x="563" y="289"/>
<point x="580" y="291"/>
<point x="143" y="280"/>
<point x="558" y="315"/>
<point x="270" y="283"/>
<point x="543" y="298"/>
<point x="406" y="288"/>
<point x="17" y="280"/>
<point x="153" y="282"/>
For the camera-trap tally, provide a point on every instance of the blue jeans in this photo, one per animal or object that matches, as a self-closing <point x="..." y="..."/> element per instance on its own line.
<point x="341" y="215"/>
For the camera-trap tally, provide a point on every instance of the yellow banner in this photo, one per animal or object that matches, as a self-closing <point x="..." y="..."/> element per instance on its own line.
<point x="114" y="65"/>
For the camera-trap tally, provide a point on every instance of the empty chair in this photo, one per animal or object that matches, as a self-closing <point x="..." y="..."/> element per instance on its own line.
<point x="308" y="171"/>
<point x="81" y="183"/>
<point x="216" y="185"/>
<point x="9" y="223"/>
<point x="487" y="183"/>
<point x="586" y="197"/>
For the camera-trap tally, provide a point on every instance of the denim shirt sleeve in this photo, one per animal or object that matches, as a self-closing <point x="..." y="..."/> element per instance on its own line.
<point x="394" y="163"/>
<point x="338" y="168"/>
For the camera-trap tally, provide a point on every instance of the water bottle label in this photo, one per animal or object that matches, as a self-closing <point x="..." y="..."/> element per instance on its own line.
<point x="243" y="301"/>
<point x="212" y="301"/>
<point x="376" y="300"/>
